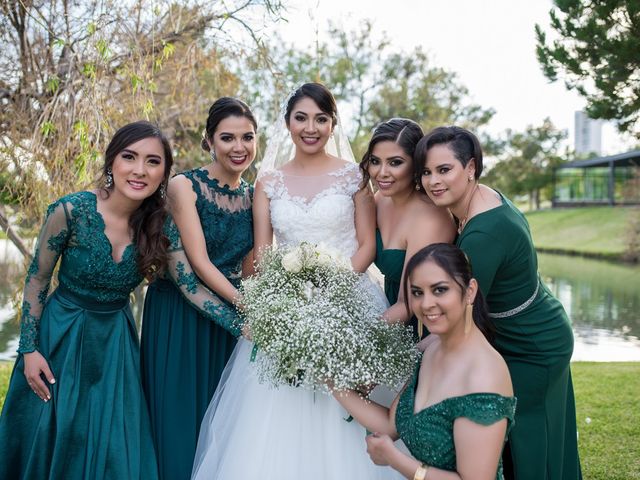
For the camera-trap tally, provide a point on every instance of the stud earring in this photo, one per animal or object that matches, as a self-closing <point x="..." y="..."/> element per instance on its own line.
<point x="108" y="183"/>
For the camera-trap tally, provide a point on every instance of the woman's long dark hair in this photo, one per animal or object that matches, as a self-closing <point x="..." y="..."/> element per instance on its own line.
<point x="147" y="221"/>
<point x="401" y="131"/>
<point x="453" y="261"/>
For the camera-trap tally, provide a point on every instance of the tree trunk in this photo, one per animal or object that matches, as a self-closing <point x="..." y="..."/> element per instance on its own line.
<point x="13" y="236"/>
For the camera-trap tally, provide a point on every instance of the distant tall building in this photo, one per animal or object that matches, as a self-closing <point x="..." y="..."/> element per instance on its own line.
<point x="588" y="136"/>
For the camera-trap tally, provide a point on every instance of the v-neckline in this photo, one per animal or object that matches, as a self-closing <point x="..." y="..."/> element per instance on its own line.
<point x="103" y="231"/>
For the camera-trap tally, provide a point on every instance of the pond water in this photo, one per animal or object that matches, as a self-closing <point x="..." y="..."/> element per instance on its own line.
<point x="601" y="298"/>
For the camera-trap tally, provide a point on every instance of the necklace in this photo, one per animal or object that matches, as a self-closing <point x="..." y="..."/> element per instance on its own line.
<point x="463" y="220"/>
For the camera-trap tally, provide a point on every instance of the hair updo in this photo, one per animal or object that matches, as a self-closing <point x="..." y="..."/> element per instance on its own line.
<point x="464" y="145"/>
<point x="320" y="95"/>
<point x="223" y="108"/>
<point x="401" y="131"/>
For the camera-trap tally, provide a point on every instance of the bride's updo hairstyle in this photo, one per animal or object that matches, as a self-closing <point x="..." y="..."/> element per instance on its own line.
<point x="401" y="131"/>
<point x="223" y="108"/>
<point x="320" y="95"/>
<point x="455" y="263"/>
<point x="464" y="145"/>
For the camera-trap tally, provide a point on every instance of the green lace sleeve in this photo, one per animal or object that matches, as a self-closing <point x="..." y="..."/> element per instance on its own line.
<point x="204" y="300"/>
<point x="51" y="242"/>
<point x="486" y="408"/>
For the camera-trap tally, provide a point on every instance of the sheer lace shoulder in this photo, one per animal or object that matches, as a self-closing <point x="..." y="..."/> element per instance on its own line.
<point x="51" y="242"/>
<point x="193" y="290"/>
<point x="316" y="209"/>
<point x="305" y="189"/>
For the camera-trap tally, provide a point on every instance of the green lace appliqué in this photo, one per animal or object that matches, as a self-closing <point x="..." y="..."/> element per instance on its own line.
<point x="188" y="280"/>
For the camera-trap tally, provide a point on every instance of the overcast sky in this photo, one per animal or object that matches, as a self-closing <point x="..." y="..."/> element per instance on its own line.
<point x="490" y="44"/>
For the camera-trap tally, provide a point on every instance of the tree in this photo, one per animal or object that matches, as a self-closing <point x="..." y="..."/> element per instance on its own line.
<point x="526" y="162"/>
<point x="596" y="53"/>
<point x="72" y="72"/>
<point x="369" y="79"/>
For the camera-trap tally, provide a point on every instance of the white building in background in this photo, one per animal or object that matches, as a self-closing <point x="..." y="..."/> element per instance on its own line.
<point x="588" y="138"/>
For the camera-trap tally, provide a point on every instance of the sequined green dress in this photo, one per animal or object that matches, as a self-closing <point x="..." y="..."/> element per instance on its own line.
<point x="534" y="336"/>
<point x="428" y="434"/>
<point x="96" y="424"/>
<point x="188" y="333"/>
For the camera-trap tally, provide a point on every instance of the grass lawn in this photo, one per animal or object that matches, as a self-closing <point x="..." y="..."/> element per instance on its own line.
<point x="607" y="411"/>
<point x="588" y="230"/>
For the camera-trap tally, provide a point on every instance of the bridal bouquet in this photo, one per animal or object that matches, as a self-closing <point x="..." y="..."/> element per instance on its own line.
<point x="315" y="321"/>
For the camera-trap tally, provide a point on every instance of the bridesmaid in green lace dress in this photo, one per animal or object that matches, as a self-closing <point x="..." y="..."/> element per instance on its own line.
<point x="456" y="410"/>
<point x="533" y="333"/>
<point x="75" y="406"/>
<point x="185" y="347"/>
<point x="407" y="220"/>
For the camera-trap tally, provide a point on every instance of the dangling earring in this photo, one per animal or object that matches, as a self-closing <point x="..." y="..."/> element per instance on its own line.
<point x="419" y="329"/>
<point x="468" y="318"/>
<point x="417" y="186"/>
<point x="108" y="183"/>
<point x="470" y="178"/>
<point x="212" y="154"/>
<point x="162" y="190"/>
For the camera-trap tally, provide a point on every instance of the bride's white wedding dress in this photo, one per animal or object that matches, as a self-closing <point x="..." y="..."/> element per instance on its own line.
<point x="256" y="431"/>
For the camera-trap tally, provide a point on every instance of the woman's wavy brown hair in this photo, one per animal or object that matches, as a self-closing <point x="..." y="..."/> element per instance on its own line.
<point x="147" y="221"/>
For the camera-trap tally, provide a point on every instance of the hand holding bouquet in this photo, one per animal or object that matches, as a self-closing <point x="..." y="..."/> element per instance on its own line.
<point x="315" y="321"/>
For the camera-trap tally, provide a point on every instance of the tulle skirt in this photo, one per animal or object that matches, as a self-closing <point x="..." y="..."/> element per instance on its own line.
<point x="253" y="430"/>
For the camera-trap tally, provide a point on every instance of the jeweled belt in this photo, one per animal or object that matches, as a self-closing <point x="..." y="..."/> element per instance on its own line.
<point x="519" y="308"/>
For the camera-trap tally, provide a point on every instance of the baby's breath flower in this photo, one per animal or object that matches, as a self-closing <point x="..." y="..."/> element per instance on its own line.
<point x="314" y="321"/>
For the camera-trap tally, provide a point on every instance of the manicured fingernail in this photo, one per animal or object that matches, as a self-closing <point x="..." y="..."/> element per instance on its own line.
<point x="53" y="380"/>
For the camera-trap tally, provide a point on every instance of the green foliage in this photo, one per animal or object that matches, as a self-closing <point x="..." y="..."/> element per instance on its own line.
<point x="595" y="51"/>
<point x="366" y="73"/>
<point x="526" y="161"/>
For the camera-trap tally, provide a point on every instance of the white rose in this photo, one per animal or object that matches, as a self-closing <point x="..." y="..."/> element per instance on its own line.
<point x="292" y="262"/>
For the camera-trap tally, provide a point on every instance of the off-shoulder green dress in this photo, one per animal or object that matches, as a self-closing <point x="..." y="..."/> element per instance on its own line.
<point x="428" y="434"/>
<point x="188" y="333"/>
<point x="534" y="336"/>
<point x="96" y="424"/>
<point x="391" y="263"/>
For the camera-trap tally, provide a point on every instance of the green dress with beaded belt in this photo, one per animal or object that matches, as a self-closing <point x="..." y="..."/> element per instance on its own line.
<point x="534" y="336"/>
<point x="188" y="333"/>
<point x="428" y="434"/>
<point x="96" y="424"/>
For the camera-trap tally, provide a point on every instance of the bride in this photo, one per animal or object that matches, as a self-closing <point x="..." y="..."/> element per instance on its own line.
<point x="256" y="431"/>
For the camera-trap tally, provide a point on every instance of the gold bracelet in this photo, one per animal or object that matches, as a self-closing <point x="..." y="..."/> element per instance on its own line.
<point x="421" y="472"/>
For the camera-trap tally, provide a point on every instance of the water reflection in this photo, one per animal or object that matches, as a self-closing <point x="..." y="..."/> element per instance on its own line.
<point x="601" y="298"/>
<point x="603" y="302"/>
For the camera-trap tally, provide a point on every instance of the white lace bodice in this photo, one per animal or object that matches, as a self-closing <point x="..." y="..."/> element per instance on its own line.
<point x="316" y="209"/>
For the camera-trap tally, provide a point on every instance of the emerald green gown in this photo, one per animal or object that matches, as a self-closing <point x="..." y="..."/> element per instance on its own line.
<point x="391" y="263"/>
<point x="96" y="424"/>
<point x="534" y="336"/>
<point x="428" y="434"/>
<point x="188" y="333"/>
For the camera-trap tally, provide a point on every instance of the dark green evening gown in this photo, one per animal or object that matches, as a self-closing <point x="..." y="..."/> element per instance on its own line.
<point x="534" y="336"/>
<point x="428" y="434"/>
<point x="188" y="333"/>
<point x="391" y="263"/>
<point x="96" y="424"/>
